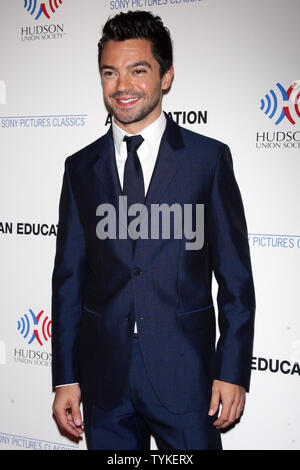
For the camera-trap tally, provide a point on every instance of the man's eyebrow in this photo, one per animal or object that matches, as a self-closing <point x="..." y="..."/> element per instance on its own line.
<point x="131" y="66"/>
<point x="107" y="67"/>
<point x="140" y="64"/>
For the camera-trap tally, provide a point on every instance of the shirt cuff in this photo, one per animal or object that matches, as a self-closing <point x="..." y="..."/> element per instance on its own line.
<point x="64" y="385"/>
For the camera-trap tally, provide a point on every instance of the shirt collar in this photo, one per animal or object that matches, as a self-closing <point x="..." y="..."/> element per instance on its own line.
<point x="152" y="134"/>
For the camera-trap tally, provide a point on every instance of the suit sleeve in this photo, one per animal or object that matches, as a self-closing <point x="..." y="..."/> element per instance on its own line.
<point x="232" y="269"/>
<point x="67" y="286"/>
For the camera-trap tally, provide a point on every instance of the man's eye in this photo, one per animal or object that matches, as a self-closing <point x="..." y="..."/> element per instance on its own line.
<point x="139" y="71"/>
<point x="107" y="73"/>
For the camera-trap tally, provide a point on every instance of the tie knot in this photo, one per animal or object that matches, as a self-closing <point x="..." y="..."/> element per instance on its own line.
<point x="133" y="142"/>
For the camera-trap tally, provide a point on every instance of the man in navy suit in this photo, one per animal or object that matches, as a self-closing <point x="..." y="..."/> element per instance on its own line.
<point x="134" y="328"/>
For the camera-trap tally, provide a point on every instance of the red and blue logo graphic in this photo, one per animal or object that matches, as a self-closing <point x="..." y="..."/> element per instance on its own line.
<point x="287" y="103"/>
<point x="33" y="328"/>
<point x="41" y="8"/>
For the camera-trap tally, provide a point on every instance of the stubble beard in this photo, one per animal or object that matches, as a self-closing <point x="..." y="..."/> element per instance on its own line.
<point x="125" y="116"/>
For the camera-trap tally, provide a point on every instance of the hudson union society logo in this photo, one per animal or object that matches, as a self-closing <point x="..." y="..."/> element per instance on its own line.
<point x="281" y="106"/>
<point x="41" y="8"/>
<point x="34" y="328"/>
<point x="290" y="98"/>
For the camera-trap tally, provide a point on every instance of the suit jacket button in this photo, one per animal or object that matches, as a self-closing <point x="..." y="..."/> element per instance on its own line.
<point x="137" y="271"/>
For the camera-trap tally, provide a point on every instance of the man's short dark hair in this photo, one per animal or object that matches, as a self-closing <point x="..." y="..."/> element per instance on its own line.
<point x="140" y="25"/>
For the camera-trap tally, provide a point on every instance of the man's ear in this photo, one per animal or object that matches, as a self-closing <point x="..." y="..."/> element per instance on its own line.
<point x="167" y="79"/>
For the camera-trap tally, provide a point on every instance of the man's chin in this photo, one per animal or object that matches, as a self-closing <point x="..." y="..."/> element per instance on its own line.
<point x="131" y="116"/>
<point x="128" y="118"/>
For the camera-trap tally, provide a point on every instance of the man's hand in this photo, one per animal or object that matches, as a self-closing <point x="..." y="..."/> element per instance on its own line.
<point x="232" y="398"/>
<point x="66" y="409"/>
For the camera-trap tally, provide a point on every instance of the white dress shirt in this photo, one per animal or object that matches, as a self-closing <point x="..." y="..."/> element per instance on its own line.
<point x="147" y="153"/>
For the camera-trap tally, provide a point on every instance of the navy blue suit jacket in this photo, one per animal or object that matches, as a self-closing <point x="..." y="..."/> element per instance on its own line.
<point x="102" y="286"/>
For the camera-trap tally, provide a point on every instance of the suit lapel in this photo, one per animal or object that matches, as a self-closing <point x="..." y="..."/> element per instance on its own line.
<point x="167" y="163"/>
<point x="107" y="172"/>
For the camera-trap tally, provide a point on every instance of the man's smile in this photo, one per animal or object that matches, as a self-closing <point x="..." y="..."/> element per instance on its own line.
<point x="126" y="103"/>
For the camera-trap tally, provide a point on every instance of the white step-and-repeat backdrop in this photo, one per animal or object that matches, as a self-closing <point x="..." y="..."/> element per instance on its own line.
<point x="237" y="79"/>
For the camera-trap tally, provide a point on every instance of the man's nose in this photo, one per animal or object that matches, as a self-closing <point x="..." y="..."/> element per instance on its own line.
<point x="124" y="83"/>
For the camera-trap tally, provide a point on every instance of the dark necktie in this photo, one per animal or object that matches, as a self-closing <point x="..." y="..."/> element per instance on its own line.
<point x="133" y="182"/>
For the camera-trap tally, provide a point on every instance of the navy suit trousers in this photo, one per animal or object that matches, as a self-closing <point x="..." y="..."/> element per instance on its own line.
<point x="140" y="414"/>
